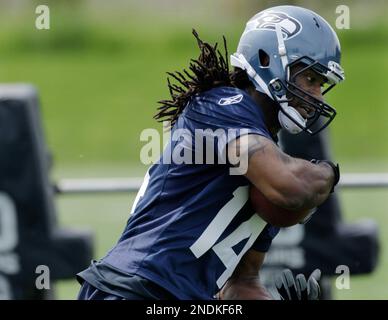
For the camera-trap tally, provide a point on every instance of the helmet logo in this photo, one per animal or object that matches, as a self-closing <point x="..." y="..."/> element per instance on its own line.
<point x="267" y="20"/>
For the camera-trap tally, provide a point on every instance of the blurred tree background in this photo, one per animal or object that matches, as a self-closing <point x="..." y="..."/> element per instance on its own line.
<point x="101" y="68"/>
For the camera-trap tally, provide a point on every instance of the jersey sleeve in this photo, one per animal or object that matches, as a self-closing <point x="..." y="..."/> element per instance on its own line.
<point x="227" y="113"/>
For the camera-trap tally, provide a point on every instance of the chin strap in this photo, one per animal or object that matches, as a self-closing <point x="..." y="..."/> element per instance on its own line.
<point x="287" y="123"/>
<point x="239" y="61"/>
<point x="281" y="48"/>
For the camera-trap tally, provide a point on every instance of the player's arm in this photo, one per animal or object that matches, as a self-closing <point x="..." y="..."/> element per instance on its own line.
<point x="245" y="284"/>
<point x="288" y="182"/>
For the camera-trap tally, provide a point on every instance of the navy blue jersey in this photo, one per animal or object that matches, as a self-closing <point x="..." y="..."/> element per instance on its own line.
<point x="192" y="223"/>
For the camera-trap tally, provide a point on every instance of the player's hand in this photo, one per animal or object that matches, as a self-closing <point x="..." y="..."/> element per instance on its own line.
<point x="336" y="171"/>
<point x="298" y="288"/>
<point x="244" y="288"/>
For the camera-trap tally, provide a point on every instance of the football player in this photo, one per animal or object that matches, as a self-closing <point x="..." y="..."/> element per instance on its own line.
<point x="192" y="233"/>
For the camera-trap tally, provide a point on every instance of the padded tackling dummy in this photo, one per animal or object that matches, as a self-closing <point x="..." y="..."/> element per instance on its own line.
<point x="326" y="241"/>
<point x="29" y="234"/>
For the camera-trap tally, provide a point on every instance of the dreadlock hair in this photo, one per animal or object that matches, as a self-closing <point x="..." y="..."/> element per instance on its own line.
<point x="210" y="70"/>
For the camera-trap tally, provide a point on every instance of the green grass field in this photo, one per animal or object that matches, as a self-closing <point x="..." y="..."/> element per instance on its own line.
<point x="99" y="80"/>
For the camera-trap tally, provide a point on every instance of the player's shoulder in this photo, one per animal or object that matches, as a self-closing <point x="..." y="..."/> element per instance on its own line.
<point x="225" y="105"/>
<point x="225" y="96"/>
<point x="226" y="100"/>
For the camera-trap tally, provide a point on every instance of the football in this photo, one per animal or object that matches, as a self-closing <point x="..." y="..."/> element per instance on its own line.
<point x="274" y="214"/>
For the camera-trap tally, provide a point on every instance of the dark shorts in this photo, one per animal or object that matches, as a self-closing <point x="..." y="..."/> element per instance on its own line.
<point x="137" y="288"/>
<point x="88" y="292"/>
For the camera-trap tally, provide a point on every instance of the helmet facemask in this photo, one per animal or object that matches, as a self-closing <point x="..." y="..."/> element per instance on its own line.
<point x="288" y="93"/>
